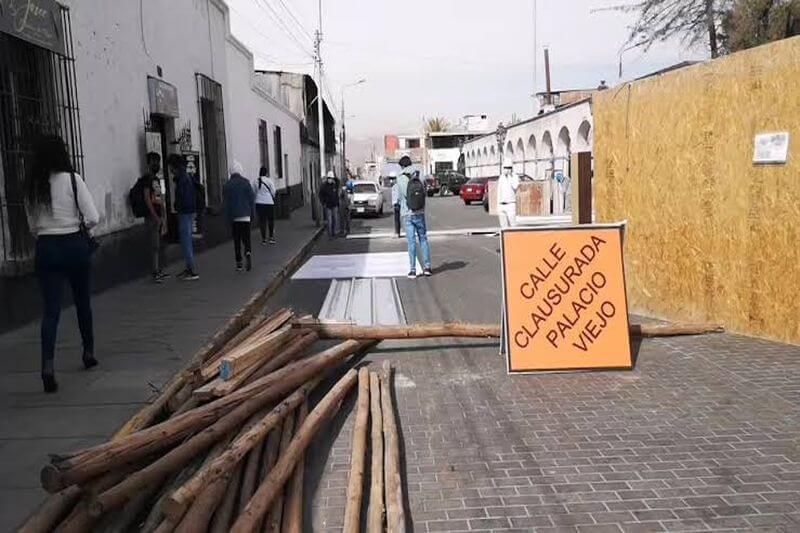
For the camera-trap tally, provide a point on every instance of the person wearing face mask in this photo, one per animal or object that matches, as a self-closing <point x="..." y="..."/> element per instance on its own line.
<point x="507" y="185"/>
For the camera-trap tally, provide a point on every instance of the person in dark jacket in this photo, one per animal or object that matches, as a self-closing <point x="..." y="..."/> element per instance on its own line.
<point x="329" y="196"/>
<point x="240" y="200"/>
<point x="186" y="206"/>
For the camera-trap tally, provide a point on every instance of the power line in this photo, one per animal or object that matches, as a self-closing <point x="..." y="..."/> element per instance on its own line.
<point x="268" y="10"/>
<point x="295" y="19"/>
<point x="266" y="37"/>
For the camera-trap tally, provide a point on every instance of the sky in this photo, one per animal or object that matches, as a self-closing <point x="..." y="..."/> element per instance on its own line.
<point x="450" y="58"/>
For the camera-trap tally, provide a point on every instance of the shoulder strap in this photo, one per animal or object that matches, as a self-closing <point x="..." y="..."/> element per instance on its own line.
<point x="269" y="189"/>
<point x="75" y="197"/>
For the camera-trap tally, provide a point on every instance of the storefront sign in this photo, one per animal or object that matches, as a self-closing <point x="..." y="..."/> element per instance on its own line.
<point x="163" y="98"/>
<point x="36" y="21"/>
<point x="564" y="298"/>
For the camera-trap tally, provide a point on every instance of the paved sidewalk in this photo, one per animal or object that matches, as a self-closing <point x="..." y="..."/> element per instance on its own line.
<point x="143" y="334"/>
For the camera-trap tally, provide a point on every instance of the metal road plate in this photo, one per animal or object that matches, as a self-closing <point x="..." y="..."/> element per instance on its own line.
<point x="363" y="301"/>
<point x="348" y="266"/>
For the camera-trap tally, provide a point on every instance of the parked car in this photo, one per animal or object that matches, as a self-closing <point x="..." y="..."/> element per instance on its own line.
<point x="366" y="199"/>
<point x="474" y="190"/>
<point x="432" y="185"/>
<point x="450" y="181"/>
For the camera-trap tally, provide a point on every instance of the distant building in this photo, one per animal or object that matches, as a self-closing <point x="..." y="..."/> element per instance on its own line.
<point x="563" y="97"/>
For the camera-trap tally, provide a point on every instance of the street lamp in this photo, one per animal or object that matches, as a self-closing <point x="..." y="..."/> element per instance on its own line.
<point x="344" y="151"/>
<point x="500" y="135"/>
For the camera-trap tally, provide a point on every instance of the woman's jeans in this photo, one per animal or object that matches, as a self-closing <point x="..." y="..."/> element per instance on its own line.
<point x="59" y="258"/>
<point x="185" y="226"/>
<point x="266" y="216"/>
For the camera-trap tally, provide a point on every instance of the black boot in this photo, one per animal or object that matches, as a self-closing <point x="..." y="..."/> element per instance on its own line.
<point x="49" y="382"/>
<point x="88" y="360"/>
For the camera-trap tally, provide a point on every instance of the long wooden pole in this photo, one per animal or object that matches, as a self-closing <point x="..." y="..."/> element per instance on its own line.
<point x="275" y="481"/>
<point x="355" y="486"/>
<point x="293" y="508"/>
<point x="99" y="459"/>
<point x="457" y="329"/>
<point x="415" y="331"/>
<point x="376" y="505"/>
<point x="225" y="512"/>
<point x="275" y="515"/>
<point x="395" y="515"/>
<point x="181" y="498"/>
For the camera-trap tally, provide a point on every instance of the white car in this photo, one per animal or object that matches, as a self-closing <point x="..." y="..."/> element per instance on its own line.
<point x="366" y="198"/>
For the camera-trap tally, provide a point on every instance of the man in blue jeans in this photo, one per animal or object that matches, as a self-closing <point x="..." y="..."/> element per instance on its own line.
<point x="186" y="206"/>
<point x="412" y="212"/>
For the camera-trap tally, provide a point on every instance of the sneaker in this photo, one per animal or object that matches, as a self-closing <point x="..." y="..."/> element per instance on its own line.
<point x="272" y="240"/>
<point x="248" y="261"/>
<point x="161" y="275"/>
<point x="412" y="275"/>
<point x="188" y="275"/>
<point x="239" y="267"/>
<point x="427" y="272"/>
<point x="263" y="242"/>
<point x="157" y="278"/>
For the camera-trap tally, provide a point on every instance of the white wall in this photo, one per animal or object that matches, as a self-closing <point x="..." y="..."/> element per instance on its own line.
<point x="246" y="104"/>
<point x="112" y="62"/>
<point x="529" y="148"/>
<point x="435" y="155"/>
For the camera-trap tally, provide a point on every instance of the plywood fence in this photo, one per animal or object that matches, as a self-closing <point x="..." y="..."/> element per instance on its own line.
<point x="711" y="236"/>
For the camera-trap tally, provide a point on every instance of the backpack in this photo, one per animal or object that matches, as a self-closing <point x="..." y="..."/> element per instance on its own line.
<point x="415" y="194"/>
<point x="136" y="199"/>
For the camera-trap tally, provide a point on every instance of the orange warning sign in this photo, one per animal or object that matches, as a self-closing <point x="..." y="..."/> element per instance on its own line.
<point x="564" y="298"/>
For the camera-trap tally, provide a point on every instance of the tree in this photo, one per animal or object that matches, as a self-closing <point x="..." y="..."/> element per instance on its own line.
<point x="752" y="23"/>
<point x="692" y="21"/>
<point x="437" y="124"/>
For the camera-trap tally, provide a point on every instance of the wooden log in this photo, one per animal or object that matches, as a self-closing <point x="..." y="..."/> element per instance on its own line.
<point x="250" y="476"/>
<point x="268" y="490"/>
<point x="224" y="516"/>
<point x="52" y="511"/>
<point x="294" y="349"/>
<point x="199" y="515"/>
<point x="293" y="507"/>
<point x="155" y="517"/>
<point x="179" y="456"/>
<point x="355" y="485"/>
<point x="271" y="451"/>
<point x="414" y="331"/>
<point x="104" y="457"/>
<point x="395" y="515"/>
<point x="275" y="515"/>
<point x="671" y="330"/>
<point x="375" y="511"/>
<point x="182" y="497"/>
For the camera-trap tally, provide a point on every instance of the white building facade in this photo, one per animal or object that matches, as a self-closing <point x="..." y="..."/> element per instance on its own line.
<point x="538" y="147"/>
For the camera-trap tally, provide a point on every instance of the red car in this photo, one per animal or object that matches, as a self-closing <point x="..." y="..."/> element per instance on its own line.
<point x="473" y="190"/>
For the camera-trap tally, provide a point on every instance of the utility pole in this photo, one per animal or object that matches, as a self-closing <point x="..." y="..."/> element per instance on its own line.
<point x="535" y="56"/>
<point x="344" y="152"/>
<point x="320" y="105"/>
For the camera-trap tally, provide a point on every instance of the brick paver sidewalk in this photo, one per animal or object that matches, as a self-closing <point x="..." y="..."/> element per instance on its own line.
<point x="701" y="435"/>
<point x="143" y="333"/>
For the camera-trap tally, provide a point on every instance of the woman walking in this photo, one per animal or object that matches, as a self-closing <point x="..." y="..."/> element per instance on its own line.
<point x="265" y="205"/>
<point x="60" y="211"/>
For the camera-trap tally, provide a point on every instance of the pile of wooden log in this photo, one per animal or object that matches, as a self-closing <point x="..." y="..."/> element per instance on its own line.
<point x="376" y="404"/>
<point x="221" y="449"/>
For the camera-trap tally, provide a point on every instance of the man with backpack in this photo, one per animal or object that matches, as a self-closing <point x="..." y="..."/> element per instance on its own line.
<point x="410" y="193"/>
<point x="147" y="202"/>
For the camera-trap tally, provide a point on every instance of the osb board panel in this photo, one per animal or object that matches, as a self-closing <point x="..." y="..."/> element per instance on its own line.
<point x="711" y="236"/>
<point x="530" y="198"/>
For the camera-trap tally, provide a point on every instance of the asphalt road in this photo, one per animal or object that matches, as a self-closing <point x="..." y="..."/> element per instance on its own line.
<point x="442" y="213"/>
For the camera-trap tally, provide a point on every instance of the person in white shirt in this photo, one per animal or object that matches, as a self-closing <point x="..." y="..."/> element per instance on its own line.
<point x="56" y="201"/>
<point x="265" y="205"/>
<point x="507" y="186"/>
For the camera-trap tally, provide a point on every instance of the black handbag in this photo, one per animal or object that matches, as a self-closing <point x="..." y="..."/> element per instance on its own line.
<point x="91" y="242"/>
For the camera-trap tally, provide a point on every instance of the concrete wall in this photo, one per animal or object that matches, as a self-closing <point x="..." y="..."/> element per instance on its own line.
<point x="536" y="146"/>
<point x="711" y="236"/>
<point x="246" y="104"/>
<point x="112" y="62"/>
